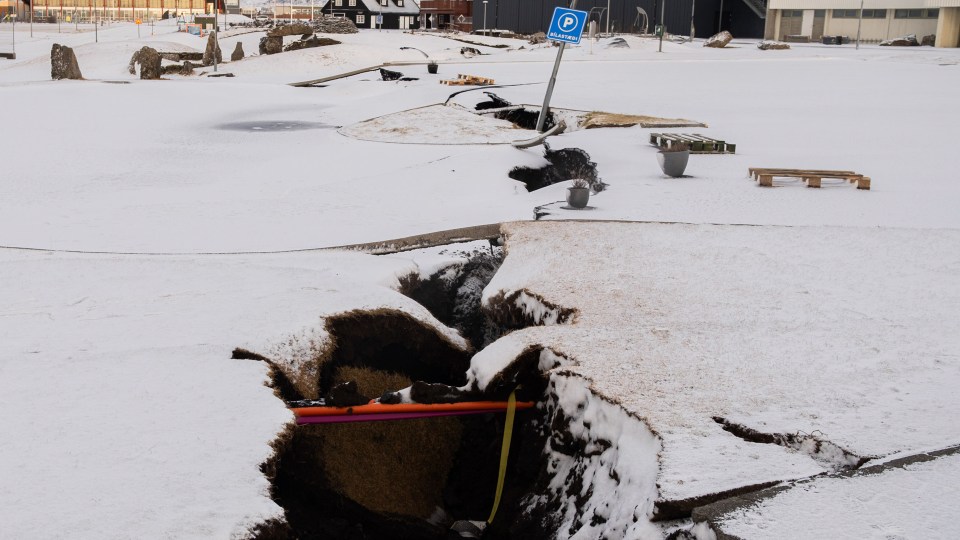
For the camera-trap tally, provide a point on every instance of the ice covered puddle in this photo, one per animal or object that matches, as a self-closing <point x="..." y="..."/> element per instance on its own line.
<point x="272" y="126"/>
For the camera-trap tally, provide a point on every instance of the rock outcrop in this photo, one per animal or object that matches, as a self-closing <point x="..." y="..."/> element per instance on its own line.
<point x="309" y="43"/>
<point x="292" y="29"/>
<point x="63" y="63"/>
<point x="335" y="25"/>
<point x="186" y="68"/>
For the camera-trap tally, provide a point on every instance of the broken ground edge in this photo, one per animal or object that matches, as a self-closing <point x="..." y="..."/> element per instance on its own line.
<point x="712" y="514"/>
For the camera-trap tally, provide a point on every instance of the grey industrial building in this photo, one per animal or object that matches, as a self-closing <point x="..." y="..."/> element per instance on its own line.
<point x="743" y="18"/>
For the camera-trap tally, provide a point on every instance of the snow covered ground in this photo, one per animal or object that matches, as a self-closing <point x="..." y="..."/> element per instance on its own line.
<point x="115" y="379"/>
<point x="912" y="501"/>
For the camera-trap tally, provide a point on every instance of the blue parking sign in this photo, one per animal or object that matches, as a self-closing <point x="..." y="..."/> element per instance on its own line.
<point x="567" y="25"/>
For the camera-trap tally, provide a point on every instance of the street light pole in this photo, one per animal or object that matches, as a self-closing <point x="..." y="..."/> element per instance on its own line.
<point x="859" y="24"/>
<point x="608" y="18"/>
<point x="484" y="17"/>
<point x="693" y="8"/>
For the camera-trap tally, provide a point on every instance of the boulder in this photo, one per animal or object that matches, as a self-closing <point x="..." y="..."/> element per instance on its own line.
<point x="237" y="53"/>
<point x="212" y="51"/>
<point x="616" y="43"/>
<point x="538" y="38"/>
<point x="181" y="56"/>
<point x="930" y="40"/>
<point x="291" y="29"/>
<point x="271" y="45"/>
<point x="149" y="60"/>
<point x="902" y="41"/>
<point x="63" y="63"/>
<point x="719" y="40"/>
<point x="185" y="68"/>
<point x="772" y="45"/>
<point x="310" y="43"/>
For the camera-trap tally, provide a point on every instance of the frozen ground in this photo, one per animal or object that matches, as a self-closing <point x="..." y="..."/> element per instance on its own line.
<point x="845" y="325"/>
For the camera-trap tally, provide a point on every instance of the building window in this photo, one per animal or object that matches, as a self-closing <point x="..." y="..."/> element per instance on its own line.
<point x="399" y="3"/>
<point x="338" y="3"/>
<point x="791" y="13"/>
<point x="855" y="14"/>
<point x="383" y="2"/>
<point x="353" y="3"/>
<point x="361" y="18"/>
<point x="916" y="13"/>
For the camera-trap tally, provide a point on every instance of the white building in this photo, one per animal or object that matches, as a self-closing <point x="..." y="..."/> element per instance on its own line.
<point x="882" y="19"/>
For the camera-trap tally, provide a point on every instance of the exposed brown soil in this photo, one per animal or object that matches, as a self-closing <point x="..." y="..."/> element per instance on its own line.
<point x="598" y="119"/>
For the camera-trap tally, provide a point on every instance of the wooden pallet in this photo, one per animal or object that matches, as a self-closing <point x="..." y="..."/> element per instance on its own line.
<point x="811" y="177"/>
<point x="468" y="80"/>
<point x="698" y="143"/>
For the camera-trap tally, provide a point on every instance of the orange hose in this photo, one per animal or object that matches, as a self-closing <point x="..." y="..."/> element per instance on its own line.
<point x="375" y="408"/>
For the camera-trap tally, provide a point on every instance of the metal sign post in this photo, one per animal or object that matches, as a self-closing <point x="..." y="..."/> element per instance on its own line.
<point x="565" y="27"/>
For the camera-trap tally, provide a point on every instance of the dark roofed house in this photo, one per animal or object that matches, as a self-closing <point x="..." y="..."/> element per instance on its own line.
<point x="396" y="14"/>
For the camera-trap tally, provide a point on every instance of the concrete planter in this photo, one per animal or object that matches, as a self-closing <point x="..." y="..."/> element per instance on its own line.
<point x="432" y="67"/>
<point x="673" y="163"/>
<point x="578" y="197"/>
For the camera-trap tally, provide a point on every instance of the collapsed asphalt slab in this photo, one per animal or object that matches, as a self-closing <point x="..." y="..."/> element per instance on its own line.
<point x="899" y="498"/>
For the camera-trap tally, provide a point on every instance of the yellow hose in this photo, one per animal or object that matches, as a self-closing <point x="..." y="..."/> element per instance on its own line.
<point x="504" y="452"/>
